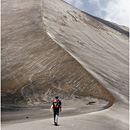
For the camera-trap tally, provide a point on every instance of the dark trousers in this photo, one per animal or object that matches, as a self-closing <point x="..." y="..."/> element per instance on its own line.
<point x="56" y="115"/>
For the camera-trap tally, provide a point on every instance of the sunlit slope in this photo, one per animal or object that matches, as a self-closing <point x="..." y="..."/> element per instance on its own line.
<point x="100" y="46"/>
<point x="34" y="67"/>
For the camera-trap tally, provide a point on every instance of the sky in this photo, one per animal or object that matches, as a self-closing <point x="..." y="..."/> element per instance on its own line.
<point x="116" y="11"/>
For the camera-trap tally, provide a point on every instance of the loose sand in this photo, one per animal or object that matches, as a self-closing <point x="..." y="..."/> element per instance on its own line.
<point x="14" y="114"/>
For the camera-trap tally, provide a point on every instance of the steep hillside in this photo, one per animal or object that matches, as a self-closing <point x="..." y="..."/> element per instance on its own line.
<point x="100" y="46"/>
<point x="49" y="47"/>
<point x="34" y="67"/>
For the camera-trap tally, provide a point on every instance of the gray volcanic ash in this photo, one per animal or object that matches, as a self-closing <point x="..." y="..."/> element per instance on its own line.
<point x="49" y="47"/>
<point x="34" y="67"/>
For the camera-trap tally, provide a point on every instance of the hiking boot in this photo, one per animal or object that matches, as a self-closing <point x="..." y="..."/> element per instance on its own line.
<point x="56" y="124"/>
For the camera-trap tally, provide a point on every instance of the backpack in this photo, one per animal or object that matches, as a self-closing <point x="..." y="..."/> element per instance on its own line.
<point x="55" y="104"/>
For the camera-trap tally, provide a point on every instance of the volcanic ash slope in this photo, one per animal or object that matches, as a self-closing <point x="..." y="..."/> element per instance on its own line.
<point x="101" y="47"/>
<point x="34" y="67"/>
<point x="49" y="47"/>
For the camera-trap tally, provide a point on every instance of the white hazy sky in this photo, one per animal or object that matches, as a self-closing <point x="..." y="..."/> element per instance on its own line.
<point x="116" y="11"/>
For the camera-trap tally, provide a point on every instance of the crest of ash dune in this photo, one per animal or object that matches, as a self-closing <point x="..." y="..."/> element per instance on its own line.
<point x="49" y="47"/>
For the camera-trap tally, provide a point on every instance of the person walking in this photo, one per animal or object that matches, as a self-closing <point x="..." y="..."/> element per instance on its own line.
<point x="56" y="106"/>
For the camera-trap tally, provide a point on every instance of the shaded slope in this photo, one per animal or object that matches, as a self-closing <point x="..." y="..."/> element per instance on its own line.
<point x="34" y="67"/>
